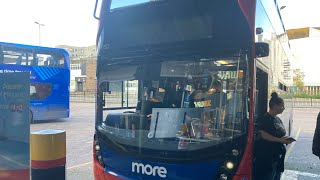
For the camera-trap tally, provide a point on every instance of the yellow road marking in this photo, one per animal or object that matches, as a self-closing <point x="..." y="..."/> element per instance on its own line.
<point x="76" y="166"/>
<point x="292" y="145"/>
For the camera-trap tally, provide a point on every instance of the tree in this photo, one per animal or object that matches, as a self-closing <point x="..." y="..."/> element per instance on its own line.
<point x="298" y="79"/>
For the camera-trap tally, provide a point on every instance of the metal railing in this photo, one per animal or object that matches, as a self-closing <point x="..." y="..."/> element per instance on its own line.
<point x="90" y="96"/>
<point x="83" y="96"/>
<point x="306" y="102"/>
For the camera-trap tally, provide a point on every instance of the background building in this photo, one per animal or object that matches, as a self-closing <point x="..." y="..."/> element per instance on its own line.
<point x="82" y="67"/>
<point x="78" y="53"/>
<point x="312" y="88"/>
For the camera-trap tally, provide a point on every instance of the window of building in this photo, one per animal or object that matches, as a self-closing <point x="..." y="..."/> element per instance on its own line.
<point x="75" y="66"/>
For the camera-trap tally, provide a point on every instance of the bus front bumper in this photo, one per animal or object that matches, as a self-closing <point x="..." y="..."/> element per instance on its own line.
<point x="100" y="174"/>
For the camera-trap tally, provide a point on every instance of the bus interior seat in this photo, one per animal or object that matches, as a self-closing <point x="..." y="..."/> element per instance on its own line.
<point x="34" y="62"/>
<point x="172" y="97"/>
<point x="52" y="63"/>
<point x="19" y="60"/>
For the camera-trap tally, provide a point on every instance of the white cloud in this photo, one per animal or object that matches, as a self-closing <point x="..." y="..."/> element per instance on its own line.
<point x="71" y="22"/>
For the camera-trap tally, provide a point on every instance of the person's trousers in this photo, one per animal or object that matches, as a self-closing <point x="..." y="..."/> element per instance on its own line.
<point x="275" y="174"/>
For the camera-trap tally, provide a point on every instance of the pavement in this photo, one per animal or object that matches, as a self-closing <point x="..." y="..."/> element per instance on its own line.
<point x="79" y="138"/>
<point x="14" y="155"/>
<point x="300" y="163"/>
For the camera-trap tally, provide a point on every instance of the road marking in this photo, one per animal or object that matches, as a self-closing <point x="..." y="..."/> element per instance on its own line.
<point x="292" y="145"/>
<point x="13" y="161"/>
<point x="76" y="166"/>
<point x="294" y="175"/>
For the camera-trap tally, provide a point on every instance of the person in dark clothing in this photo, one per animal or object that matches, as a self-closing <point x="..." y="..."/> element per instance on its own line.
<point x="269" y="148"/>
<point x="316" y="138"/>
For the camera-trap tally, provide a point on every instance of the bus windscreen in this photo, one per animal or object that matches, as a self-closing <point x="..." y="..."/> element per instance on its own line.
<point x="124" y="3"/>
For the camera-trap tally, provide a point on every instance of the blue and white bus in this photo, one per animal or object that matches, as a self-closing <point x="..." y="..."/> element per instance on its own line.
<point x="49" y="77"/>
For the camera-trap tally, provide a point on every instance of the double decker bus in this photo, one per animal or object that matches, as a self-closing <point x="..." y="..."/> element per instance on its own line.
<point x="49" y="77"/>
<point x="180" y="84"/>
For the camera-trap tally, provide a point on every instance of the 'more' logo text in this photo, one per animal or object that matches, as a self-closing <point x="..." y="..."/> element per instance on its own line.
<point x="149" y="170"/>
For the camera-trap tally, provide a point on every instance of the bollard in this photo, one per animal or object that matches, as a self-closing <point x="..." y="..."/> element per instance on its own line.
<point x="48" y="154"/>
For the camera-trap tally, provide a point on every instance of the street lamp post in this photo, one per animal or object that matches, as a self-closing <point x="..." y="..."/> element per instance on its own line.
<point x="282" y="7"/>
<point x="39" y="24"/>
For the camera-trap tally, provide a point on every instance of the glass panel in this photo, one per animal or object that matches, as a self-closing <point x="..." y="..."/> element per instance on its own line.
<point x="130" y="95"/>
<point x="40" y="91"/>
<point x="183" y="105"/>
<point x="123" y="3"/>
<point x="18" y="58"/>
<point x="50" y="61"/>
<point x="13" y="55"/>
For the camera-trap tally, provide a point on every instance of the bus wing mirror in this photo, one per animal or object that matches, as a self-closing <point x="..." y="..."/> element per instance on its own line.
<point x="95" y="11"/>
<point x="108" y="87"/>
<point x="105" y="87"/>
<point x="261" y="49"/>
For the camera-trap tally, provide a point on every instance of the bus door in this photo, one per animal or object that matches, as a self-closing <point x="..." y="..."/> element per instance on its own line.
<point x="121" y="95"/>
<point x="261" y="92"/>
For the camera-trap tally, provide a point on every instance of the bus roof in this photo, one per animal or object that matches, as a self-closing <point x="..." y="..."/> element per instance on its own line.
<point x="35" y="48"/>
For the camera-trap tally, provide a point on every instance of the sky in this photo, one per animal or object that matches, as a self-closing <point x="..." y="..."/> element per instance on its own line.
<point x="66" y="22"/>
<point x="71" y="22"/>
<point x="299" y="14"/>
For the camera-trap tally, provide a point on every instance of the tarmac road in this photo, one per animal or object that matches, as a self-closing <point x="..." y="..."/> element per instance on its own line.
<point x="79" y="134"/>
<point x="300" y="163"/>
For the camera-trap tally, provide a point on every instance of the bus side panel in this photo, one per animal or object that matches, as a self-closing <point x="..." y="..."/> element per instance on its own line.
<point x="56" y="104"/>
<point x="51" y="104"/>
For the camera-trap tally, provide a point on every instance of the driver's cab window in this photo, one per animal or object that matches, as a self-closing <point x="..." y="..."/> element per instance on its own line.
<point x="40" y="91"/>
<point x="195" y="100"/>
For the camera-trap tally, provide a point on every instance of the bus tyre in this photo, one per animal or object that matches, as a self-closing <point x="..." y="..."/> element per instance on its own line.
<point x="31" y="117"/>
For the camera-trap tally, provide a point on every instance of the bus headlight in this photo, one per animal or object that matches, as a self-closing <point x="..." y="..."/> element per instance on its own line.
<point x="100" y="158"/>
<point x="97" y="147"/>
<point x="229" y="165"/>
<point x="97" y="152"/>
<point x="223" y="177"/>
<point x="235" y="152"/>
